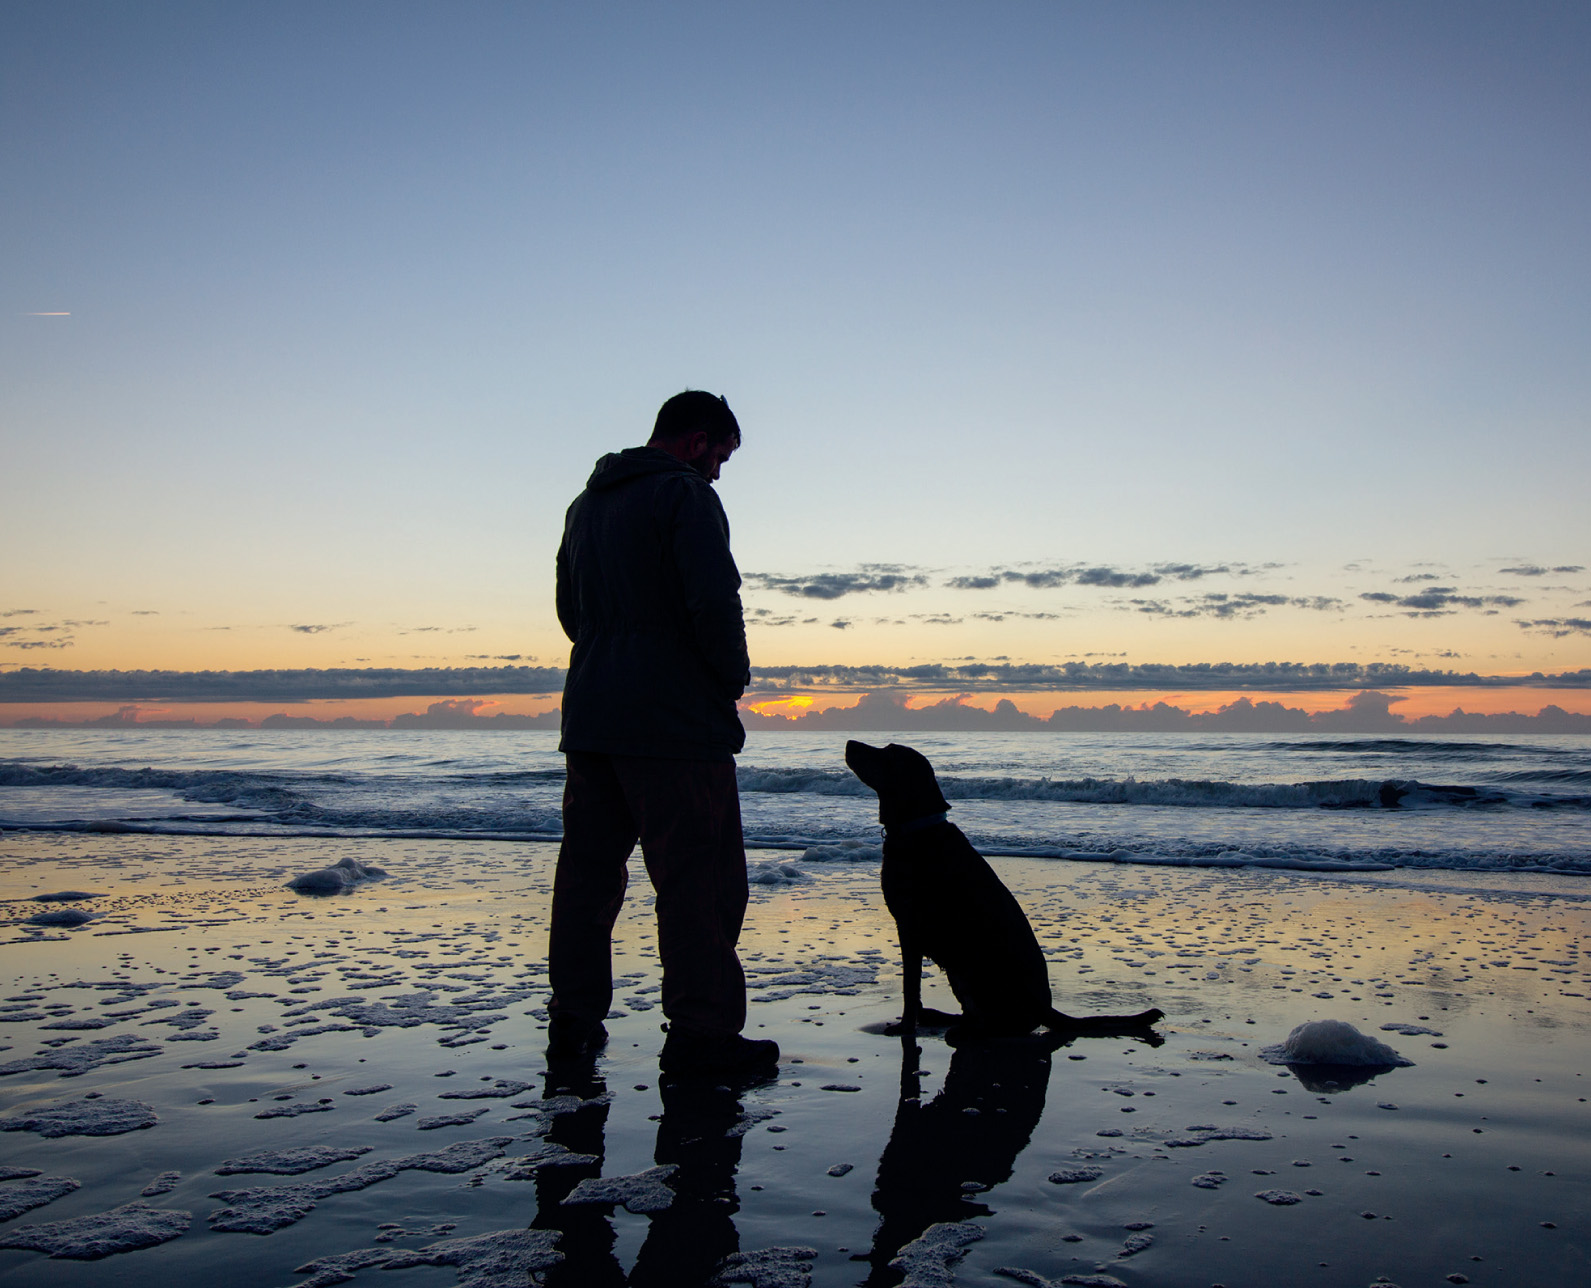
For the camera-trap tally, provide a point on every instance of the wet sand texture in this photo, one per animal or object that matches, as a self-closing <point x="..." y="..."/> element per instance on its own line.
<point x="217" y="1079"/>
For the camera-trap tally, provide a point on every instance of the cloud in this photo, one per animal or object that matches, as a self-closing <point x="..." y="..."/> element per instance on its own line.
<point x="442" y="630"/>
<point x="318" y="629"/>
<point x="1115" y="579"/>
<point x="1440" y="601"/>
<point x="834" y="585"/>
<point x="31" y="635"/>
<point x="45" y="684"/>
<point x="1242" y="605"/>
<point x="467" y="713"/>
<point x="1094" y="575"/>
<point x="998" y="674"/>
<point x="1368" y="711"/>
<point x="767" y="617"/>
<point x="30" y="684"/>
<point x="146" y="612"/>
<point x="1558" y="627"/>
<point x="1536" y="570"/>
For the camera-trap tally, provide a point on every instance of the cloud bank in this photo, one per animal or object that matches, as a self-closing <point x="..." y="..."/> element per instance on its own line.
<point x="886" y="711"/>
<point x="43" y="684"/>
<point x="1368" y="711"/>
<point x="305" y="685"/>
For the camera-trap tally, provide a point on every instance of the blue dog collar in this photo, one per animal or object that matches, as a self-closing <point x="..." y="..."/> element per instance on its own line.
<point x="916" y="825"/>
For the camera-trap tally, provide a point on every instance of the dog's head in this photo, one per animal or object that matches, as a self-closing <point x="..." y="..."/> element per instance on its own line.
<point x="903" y="779"/>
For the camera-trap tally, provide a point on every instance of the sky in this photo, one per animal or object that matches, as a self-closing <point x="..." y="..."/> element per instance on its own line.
<point x="1139" y="333"/>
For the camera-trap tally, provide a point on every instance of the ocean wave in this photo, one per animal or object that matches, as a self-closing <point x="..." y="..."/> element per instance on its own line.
<point x="1567" y="777"/>
<point x="1426" y="748"/>
<point x="820" y="852"/>
<point x="1350" y="793"/>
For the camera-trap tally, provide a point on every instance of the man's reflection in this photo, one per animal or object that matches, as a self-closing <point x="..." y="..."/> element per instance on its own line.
<point x="586" y="1235"/>
<point x="699" y="1132"/>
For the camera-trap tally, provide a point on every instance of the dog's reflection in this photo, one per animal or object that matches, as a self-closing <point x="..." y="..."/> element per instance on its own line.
<point x="699" y="1133"/>
<point x="943" y="1155"/>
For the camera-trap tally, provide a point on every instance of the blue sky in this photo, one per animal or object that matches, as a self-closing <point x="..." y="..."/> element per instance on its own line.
<point x="358" y="293"/>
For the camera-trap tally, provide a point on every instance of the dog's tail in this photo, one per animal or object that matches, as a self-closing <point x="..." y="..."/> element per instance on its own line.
<point x="1062" y="1023"/>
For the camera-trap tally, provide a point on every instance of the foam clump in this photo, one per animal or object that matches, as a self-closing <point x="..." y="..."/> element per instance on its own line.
<point x="74" y="1061"/>
<point x="1076" y="1175"/>
<point x="25" y="1190"/>
<point x="775" y="873"/>
<point x="264" y="1209"/>
<point x="291" y="1162"/>
<point x="503" y="1257"/>
<point x="341" y="875"/>
<point x="1331" y="1042"/>
<point x="845" y="852"/>
<point x="62" y="917"/>
<point x="102" y="1117"/>
<point x="643" y="1192"/>
<point x="927" y="1260"/>
<point x="88" y="1238"/>
<point x="779" y="1267"/>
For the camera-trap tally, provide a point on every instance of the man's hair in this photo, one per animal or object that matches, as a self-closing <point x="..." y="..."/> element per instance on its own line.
<point x="693" y="410"/>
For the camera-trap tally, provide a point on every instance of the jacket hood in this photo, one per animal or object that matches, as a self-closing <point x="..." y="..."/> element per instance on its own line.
<point x="617" y="468"/>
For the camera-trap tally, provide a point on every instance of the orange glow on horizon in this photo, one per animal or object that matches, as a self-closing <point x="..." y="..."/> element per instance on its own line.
<point x="783" y="706"/>
<point x="1410" y="703"/>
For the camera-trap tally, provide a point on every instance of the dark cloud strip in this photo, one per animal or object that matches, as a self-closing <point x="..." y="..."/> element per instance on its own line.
<point x="1096" y="575"/>
<point x="306" y="685"/>
<point x="834" y="585"/>
<point x="1559" y="627"/>
<point x="1439" y="601"/>
<point x="41" y="684"/>
<point x="1279" y="677"/>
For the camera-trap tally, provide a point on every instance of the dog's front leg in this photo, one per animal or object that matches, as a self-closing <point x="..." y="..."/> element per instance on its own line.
<point x="911" y="966"/>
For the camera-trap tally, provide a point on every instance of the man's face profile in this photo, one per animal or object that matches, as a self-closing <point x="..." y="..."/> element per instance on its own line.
<point x="706" y="457"/>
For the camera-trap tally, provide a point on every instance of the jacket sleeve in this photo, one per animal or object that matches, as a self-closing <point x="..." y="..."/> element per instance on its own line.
<point x="568" y="605"/>
<point x="711" y="583"/>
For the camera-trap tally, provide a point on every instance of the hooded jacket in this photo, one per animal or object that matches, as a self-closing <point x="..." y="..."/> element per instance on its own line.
<point x="650" y="596"/>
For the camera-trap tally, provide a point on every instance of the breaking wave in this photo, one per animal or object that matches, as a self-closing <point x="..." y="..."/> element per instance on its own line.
<point x="1349" y="793"/>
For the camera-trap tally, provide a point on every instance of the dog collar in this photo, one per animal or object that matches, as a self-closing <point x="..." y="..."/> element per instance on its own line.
<point x="916" y="825"/>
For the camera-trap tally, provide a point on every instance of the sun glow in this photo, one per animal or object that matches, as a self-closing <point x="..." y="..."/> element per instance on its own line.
<point x="781" y="706"/>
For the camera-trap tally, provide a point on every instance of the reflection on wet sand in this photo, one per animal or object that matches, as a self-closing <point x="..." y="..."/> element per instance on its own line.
<point x="965" y="1141"/>
<point x="585" y="1233"/>
<point x="699" y="1135"/>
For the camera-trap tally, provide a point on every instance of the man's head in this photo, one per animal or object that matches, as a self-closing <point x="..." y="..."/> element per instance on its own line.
<point x="698" y="428"/>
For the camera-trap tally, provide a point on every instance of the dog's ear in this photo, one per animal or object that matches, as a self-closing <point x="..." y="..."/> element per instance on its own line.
<point x="913" y="790"/>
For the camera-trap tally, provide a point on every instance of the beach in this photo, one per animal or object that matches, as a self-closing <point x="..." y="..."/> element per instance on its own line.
<point x="387" y="1044"/>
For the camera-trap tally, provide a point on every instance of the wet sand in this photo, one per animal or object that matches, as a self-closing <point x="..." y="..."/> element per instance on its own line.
<point x="380" y="1052"/>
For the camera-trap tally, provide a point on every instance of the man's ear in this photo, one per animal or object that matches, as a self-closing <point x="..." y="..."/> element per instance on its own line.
<point x="695" y="444"/>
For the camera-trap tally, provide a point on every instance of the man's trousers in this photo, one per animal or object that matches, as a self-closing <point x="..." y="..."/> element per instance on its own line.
<point x="686" y="815"/>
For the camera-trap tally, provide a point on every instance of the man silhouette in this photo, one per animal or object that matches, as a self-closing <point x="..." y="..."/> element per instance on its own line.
<point x="649" y="594"/>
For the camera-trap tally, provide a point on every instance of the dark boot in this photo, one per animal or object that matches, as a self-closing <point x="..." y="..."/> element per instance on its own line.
<point x="690" y="1053"/>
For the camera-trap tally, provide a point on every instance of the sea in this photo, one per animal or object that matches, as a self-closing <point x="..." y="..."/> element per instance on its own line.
<point x="1328" y="803"/>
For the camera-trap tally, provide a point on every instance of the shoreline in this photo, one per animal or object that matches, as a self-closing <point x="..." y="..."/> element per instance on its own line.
<point x="1235" y="958"/>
